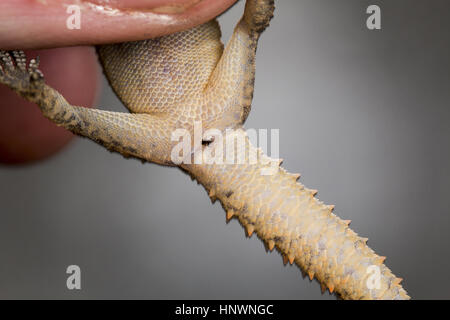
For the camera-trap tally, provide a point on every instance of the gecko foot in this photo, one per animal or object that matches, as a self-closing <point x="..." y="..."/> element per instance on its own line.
<point x="258" y="14"/>
<point x="14" y="72"/>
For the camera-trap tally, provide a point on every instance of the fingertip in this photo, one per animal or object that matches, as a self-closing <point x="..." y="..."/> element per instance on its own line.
<point x="49" y="23"/>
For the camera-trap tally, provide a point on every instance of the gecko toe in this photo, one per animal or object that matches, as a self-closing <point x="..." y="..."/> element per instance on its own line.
<point x="15" y="74"/>
<point x="33" y="70"/>
<point x="20" y="59"/>
<point x="6" y="62"/>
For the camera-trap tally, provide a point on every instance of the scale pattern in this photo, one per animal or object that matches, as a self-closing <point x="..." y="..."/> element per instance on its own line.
<point x="171" y="82"/>
<point x="270" y="202"/>
<point x="159" y="74"/>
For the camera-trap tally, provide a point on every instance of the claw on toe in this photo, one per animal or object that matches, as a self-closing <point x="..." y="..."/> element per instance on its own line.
<point x="14" y="71"/>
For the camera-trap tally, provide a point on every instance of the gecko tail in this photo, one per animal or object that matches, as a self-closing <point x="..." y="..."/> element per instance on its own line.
<point x="287" y="216"/>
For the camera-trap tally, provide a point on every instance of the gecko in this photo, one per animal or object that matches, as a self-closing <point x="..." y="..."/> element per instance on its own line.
<point x="171" y="83"/>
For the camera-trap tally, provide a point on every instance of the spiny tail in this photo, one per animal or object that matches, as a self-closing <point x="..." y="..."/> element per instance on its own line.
<point x="270" y="202"/>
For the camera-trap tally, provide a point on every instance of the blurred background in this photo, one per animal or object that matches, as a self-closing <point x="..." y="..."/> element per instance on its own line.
<point x="363" y="115"/>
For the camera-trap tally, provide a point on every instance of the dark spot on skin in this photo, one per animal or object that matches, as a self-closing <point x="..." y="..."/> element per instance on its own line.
<point x="53" y="104"/>
<point x="277" y="239"/>
<point x="77" y="127"/>
<point x="229" y="194"/>
<point x="207" y="142"/>
<point x="72" y="118"/>
<point x="95" y="133"/>
<point x="115" y="143"/>
<point x="131" y="150"/>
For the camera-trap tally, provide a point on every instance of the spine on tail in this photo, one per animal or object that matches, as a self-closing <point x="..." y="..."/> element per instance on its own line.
<point x="270" y="202"/>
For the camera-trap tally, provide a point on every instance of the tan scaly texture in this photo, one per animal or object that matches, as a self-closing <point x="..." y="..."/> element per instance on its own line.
<point x="171" y="82"/>
<point x="270" y="202"/>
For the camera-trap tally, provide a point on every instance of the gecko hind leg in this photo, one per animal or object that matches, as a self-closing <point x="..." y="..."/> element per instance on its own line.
<point x="233" y="79"/>
<point x="141" y="136"/>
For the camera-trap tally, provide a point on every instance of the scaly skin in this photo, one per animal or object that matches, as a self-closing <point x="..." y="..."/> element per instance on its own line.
<point x="169" y="83"/>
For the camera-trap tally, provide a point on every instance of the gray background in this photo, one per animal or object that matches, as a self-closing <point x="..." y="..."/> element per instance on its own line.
<point x="363" y="115"/>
